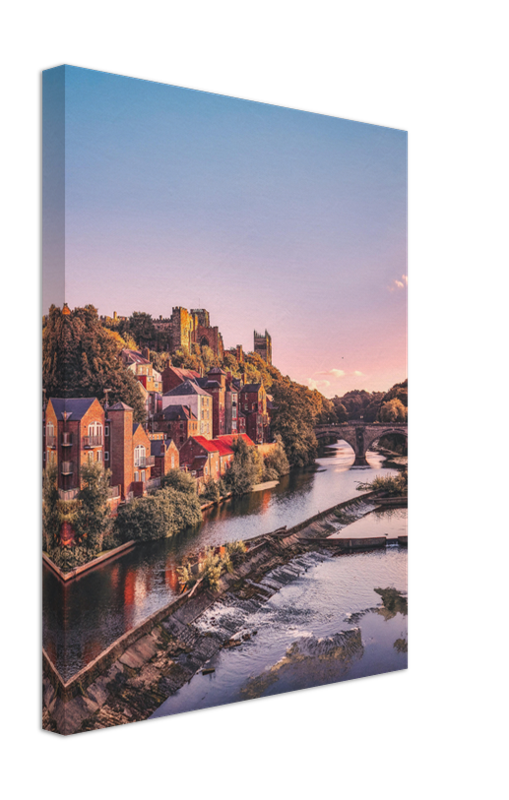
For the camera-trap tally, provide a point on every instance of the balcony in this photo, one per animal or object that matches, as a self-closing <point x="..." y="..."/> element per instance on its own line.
<point x="114" y="491"/>
<point x="67" y="467"/>
<point x="93" y="441"/>
<point x="141" y="463"/>
<point x="51" y="441"/>
<point x="66" y="439"/>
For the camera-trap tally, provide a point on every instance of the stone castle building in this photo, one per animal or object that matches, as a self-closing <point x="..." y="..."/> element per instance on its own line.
<point x="263" y="346"/>
<point x="191" y="327"/>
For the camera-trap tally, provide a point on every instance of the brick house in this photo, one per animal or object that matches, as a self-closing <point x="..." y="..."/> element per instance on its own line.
<point x="165" y="453"/>
<point x="73" y="436"/>
<point x="177" y="422"/>
<point x="215" y="384"/>
<point x="128" y="452"/>
<point x="253" y="403"/>
<point x="149" y="378"/>
<point x="174" y="376"/>
<point x="200" y="457"/>
<point x="197" y="399"/>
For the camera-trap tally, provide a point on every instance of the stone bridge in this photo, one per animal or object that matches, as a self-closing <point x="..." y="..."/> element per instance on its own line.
<point x="360" y="435"/>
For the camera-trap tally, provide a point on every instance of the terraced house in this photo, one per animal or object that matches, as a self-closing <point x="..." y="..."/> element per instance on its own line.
<point x="73" y="436"/>
<point x="78" y="431"/>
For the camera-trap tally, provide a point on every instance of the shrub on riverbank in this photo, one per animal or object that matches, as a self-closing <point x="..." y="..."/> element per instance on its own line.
<point x="212" y="564"/>
<point x="276" y="464"/>
<point x="213" y="491"/>
<point x="160" y="515"/>
<point x="246" y="468"/>
<point x="391" y="485"/>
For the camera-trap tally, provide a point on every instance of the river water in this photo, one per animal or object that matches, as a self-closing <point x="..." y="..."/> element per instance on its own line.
<point x="83" y="617"/>
<point x="325" y="624"/>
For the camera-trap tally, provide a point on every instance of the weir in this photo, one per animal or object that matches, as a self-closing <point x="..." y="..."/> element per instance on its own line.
<point x="84" y="701"/>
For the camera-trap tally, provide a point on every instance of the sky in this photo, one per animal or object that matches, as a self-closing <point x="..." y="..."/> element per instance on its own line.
<point x="271" y="218"/>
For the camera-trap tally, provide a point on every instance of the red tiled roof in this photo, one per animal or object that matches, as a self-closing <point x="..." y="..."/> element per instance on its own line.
<point x="229" y="438"/>
<point x="207" y="444"/>
<point x="223" y="447"/>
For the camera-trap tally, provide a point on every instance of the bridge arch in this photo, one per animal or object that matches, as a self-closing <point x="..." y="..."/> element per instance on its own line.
<point x="360" y="435"/>
<point x="373" y="436"/>
<point x="338" y="432"/>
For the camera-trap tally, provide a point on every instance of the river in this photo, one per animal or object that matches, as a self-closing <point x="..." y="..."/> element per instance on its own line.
<point x="83" y="617"/>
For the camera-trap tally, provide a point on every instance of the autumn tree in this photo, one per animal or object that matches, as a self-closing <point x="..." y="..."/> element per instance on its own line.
<point x="81" y="359"/>
<point x="293" y="419"/>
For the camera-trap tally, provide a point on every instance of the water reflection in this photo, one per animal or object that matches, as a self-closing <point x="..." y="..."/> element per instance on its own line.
<point x="103" y="604"/>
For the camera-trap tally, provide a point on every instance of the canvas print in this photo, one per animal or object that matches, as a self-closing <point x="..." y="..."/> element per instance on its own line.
<point x="224" y="405"/>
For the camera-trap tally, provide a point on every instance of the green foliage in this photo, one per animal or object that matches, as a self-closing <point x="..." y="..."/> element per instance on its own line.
<point x="393" y="411"/>
<point x="296" y="408"/>
<point x="212" y="564"/>
<point x="358" y="404"/>
<point x="276" y="463"/>
<point x="236" y="549"/>
<point x="81" y="359"/>
<point x="391" y="485"/>
<point x="51" y="512"/>
<point x="371" y="406"/>
<point x="211" y="491"/>
<point x="212" y="567"/>
<point x="179" y="480"/>
<point x="159" y="360"/>
<point x="160" y="515"/>
<point x="93" y="518"/>
<point x="68" y="558"/>
<point x="246" y="468"/>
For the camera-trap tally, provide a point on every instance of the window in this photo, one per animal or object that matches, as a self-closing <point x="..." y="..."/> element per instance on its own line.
<point x="95" y="434"/>
<point x="106" y="456"/>
<point x="99" y="455"/>
<point x="106" y="430"/>
<point x="139" y="456"/>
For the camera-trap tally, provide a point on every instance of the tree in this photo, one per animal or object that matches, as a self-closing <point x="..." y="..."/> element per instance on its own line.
<point x="162" y="514"/>
<point x="51" y="516"/>
<point x="246" y="468"/>
<point x="293" y="420"/>
<point x="141" y="328"/>
<point x="81" y="359"/>
<point x="276" y="463"/>
<point x="393" y="411"/>
<point x="93" y="520"/>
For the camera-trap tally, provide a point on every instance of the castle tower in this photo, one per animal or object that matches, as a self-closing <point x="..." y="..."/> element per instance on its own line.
<point x="263" y="346"/>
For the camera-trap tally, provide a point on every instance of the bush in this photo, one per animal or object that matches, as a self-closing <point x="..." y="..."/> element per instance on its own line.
<point x="211" y="566"/>
<point x="276" y="463"/>
<point x="211" y="491"/>
<point x="246" y="468"/>
<point x="391" y="485"/>
<point x="93" y="518"/>
<point x="159" y="515"/>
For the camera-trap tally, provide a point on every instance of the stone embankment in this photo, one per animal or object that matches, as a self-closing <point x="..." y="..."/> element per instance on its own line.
<point x="133" y="677"/>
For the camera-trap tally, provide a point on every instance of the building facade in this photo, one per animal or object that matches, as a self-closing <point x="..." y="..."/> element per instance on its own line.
<point x="263" y="346"/>
<point x="73" y="436"/>
<point x="197" y="399"/>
